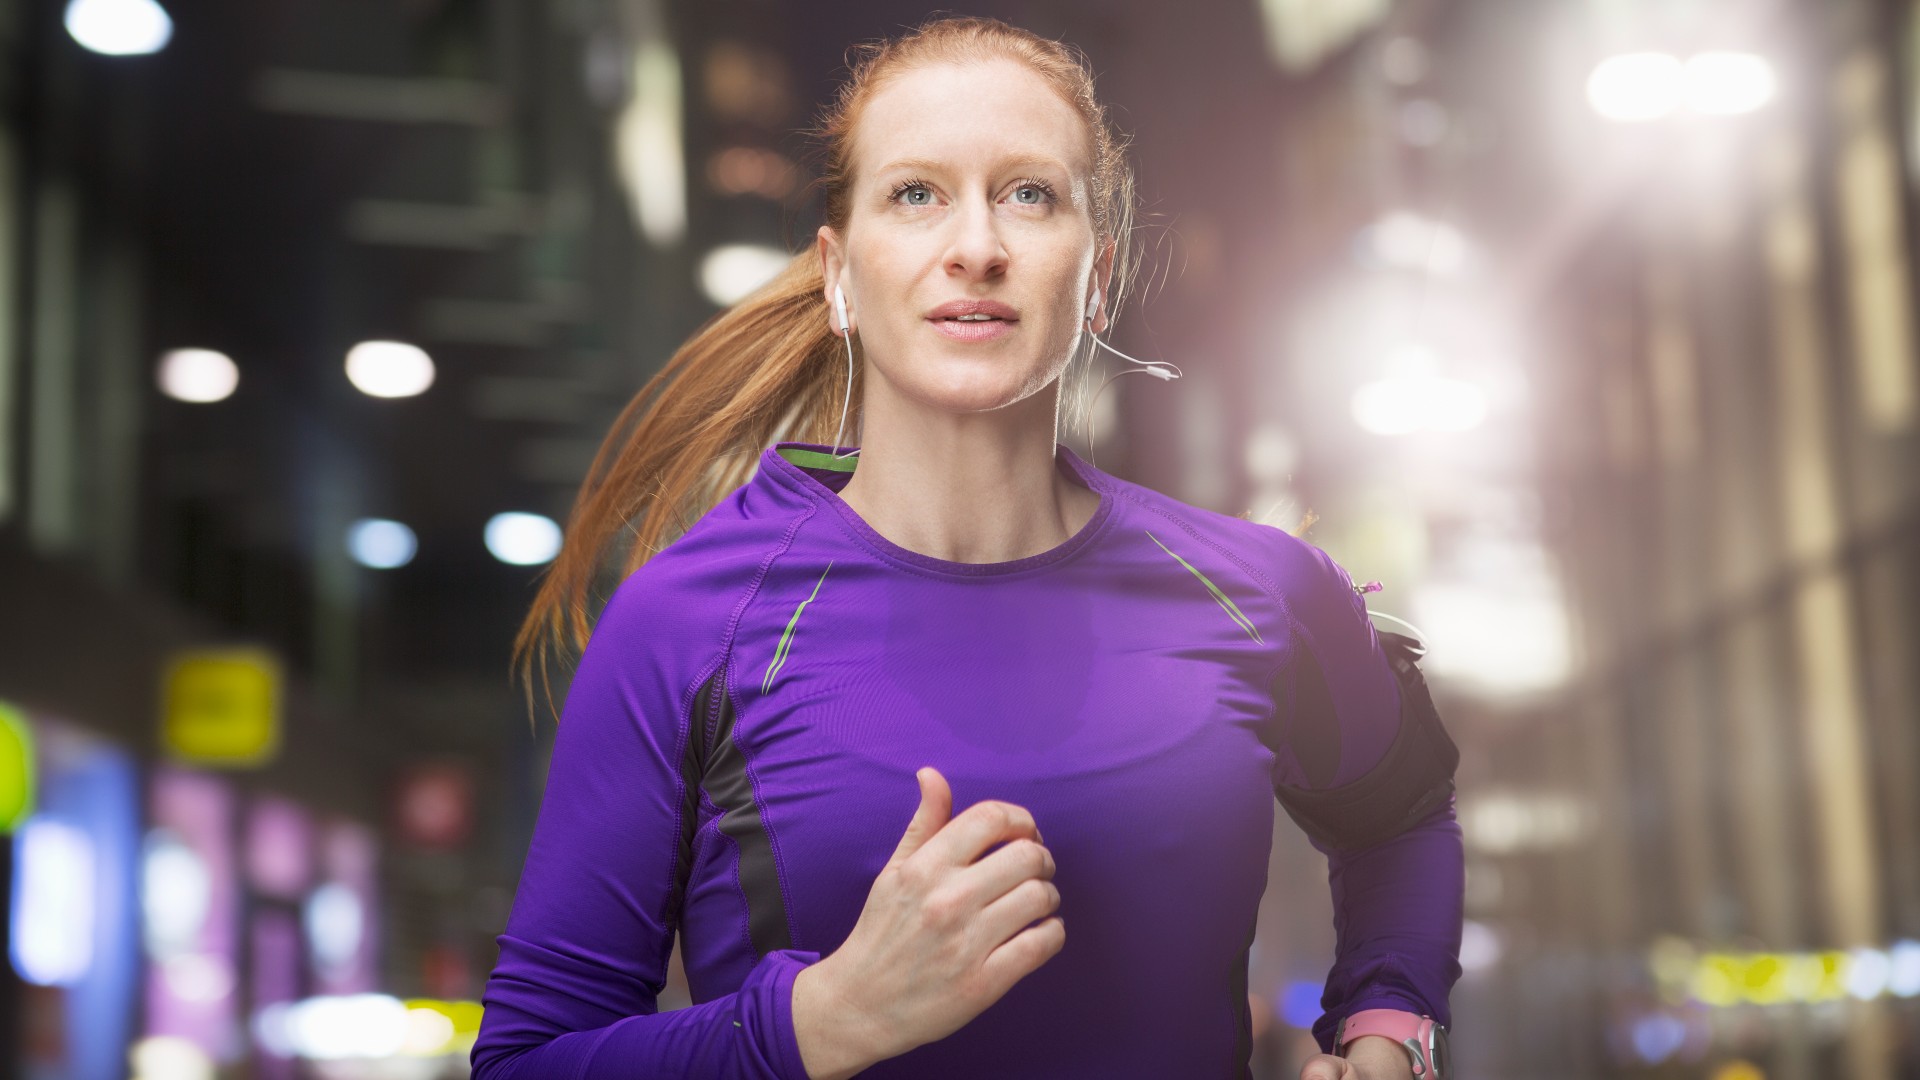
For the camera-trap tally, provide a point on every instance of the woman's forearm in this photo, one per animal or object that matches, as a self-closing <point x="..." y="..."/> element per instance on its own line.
<point x="836" y="1041"/>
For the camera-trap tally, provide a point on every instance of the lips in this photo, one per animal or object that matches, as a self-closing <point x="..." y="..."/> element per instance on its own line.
<point x="993" y="310"/>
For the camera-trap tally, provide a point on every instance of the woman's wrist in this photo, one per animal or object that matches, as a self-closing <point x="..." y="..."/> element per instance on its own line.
<point x="835" y="1037"/>
<point x="1377" y="1057"/>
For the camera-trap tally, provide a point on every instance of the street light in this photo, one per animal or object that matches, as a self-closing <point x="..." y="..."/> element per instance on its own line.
<point x="119" y="27"/>
<point x="1638" y="87"/>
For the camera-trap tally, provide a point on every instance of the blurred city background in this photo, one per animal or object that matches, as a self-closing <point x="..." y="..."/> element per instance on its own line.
<point x="1584" y="326"/>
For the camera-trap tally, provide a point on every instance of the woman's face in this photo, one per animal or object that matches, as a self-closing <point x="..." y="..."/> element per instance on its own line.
<point x="969" y="197"/>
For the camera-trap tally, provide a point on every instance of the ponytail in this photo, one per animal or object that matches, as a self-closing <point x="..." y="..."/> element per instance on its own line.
<point x="768" y="369"/>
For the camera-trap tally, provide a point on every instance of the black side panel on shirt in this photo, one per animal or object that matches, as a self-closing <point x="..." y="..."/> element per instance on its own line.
<point x="693" y="766"/>
<point x="1413" y="777"/>
<point x="727" y="785"/>
<point x="1243" y="1013"/>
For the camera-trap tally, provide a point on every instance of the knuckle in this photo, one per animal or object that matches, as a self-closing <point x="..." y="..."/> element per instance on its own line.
<point x="1038" y="861"/>
<point x="942" y="907"/>
<point x="1034" y="891"/>
<point x="905" y="877"/>
<point x="992" y="815"/>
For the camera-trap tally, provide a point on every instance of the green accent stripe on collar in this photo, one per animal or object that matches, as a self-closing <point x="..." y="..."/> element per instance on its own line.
<point x="814" y="459"/>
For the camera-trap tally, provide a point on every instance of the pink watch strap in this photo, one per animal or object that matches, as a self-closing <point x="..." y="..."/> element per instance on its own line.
<point x="1396" y="1025"/>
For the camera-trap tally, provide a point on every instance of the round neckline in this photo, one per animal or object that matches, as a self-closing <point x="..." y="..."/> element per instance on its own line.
<point x="809" y="479"/>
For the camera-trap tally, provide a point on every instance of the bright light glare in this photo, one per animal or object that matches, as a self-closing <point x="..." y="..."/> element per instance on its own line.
<point x="197" y="375"/>
<point x="1727" y="83"/>
<point x="428" y="1032"/>
<point x="198" y="977"/>
<point x="334" y="924"/>
<point x="1506" y="823"/>
<point x="355" y="1025"/>
<point x="523" y="539"/>
<point x="1637" y="86"/>
<point x="1511" y="640"/>
<point x="1480" y="946"/>
<point x="53" y="903"/>
<point x="176" y="894"/>
<point x="119" y="27"/>
<point x="381" y="544"/>
<point x="1408" y="241"/>
<point x="1403" y="404"/>
<point x="1867" y="971"/>
<point x="728" y="273"/>
<point x="649" y="149"/>
<point x="1903" y="976"/>
<point x="389" y="369"/>
<point x="169" y="1057"/>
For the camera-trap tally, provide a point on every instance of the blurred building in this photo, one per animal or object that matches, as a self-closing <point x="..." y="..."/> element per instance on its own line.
<point x="1679" y="593"/>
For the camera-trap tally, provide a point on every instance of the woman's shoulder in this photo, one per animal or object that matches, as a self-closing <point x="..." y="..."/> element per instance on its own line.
<point x="1296" y="570"/>
<point x="687" y="593"/>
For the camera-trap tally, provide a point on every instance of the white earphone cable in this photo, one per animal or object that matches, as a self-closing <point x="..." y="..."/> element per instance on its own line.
<point x="1159" y="369"/>
<point x="848" y="400"/>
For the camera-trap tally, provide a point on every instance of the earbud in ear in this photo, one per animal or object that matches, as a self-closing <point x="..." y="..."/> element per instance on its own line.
<point x="840" y="307"/>
<point x="1093" y="304"/>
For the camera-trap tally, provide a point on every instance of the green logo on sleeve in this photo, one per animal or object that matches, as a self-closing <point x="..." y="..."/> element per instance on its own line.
<point x="786" y="636"/>
<point x="1226" y="604"/>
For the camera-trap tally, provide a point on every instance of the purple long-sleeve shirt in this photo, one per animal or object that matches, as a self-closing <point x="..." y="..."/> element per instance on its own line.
<point x="735" y="762"/>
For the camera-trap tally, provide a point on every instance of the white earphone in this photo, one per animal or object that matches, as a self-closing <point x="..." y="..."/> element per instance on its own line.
<point x="846" y="334"/>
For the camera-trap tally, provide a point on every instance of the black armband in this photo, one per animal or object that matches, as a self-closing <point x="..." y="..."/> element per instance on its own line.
<point x="1413" y="777"/>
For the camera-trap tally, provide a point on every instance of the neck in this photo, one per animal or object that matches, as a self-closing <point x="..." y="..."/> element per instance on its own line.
<point x="974" y="487"/>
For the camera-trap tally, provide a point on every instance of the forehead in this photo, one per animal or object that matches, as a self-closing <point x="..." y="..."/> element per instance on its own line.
<point x="969" y="114"/>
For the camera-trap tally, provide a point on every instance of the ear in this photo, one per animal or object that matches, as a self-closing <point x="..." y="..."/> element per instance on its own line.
<point x="1103" y="277"/>
<point x="833" y="272"/>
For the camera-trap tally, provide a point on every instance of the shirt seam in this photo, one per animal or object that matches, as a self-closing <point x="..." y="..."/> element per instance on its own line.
<point x="669" y="917"/>
<point x="747" y="760"/>
<point x="1267" y="585"/>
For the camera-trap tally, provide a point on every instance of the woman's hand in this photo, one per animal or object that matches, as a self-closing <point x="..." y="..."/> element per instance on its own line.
<point x="942" y="937"/>
<point x="1369" y="1057"/>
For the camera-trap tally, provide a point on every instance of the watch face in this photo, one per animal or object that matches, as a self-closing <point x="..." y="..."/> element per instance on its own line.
<point x="1439" y="1055"/>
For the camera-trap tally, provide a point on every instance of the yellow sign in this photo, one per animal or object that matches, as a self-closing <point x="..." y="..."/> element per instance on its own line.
<point x="222" y="707"/>
<point x="16" y="769"/>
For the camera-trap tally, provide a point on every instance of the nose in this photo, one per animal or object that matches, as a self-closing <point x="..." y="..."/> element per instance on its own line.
<point x="974" y="251"/>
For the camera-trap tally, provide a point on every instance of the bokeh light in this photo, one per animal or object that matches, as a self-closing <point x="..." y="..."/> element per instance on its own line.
<point x="1637" y="86"/>
<point x="381" y="544"/>
<point x="522" y="539"/>
<point x="729" y="272"/>
<point x="1728" y="83"/>
<point x="119" y="27"/>
<point x="197" y="375"/>
<point x="389" y="369"/>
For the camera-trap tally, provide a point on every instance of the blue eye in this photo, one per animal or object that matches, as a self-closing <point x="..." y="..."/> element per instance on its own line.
<point x="914" y="190"/>
<point x="1033" y="192"/>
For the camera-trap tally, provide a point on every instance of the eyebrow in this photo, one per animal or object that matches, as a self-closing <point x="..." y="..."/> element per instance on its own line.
<point x="926" y="165"/>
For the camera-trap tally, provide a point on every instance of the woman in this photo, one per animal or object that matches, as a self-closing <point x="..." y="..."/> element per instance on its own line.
<point x="776" y="718"/>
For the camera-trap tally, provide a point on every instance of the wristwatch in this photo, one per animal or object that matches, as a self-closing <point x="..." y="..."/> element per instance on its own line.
<point x="1424" y="1039"/>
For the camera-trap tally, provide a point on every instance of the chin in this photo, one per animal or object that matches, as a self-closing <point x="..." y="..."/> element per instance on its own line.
<point x="971" y="386"/>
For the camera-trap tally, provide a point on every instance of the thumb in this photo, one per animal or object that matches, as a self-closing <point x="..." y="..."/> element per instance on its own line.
<point x="936" y="808"/>
<point x="1325" y="1067"/>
